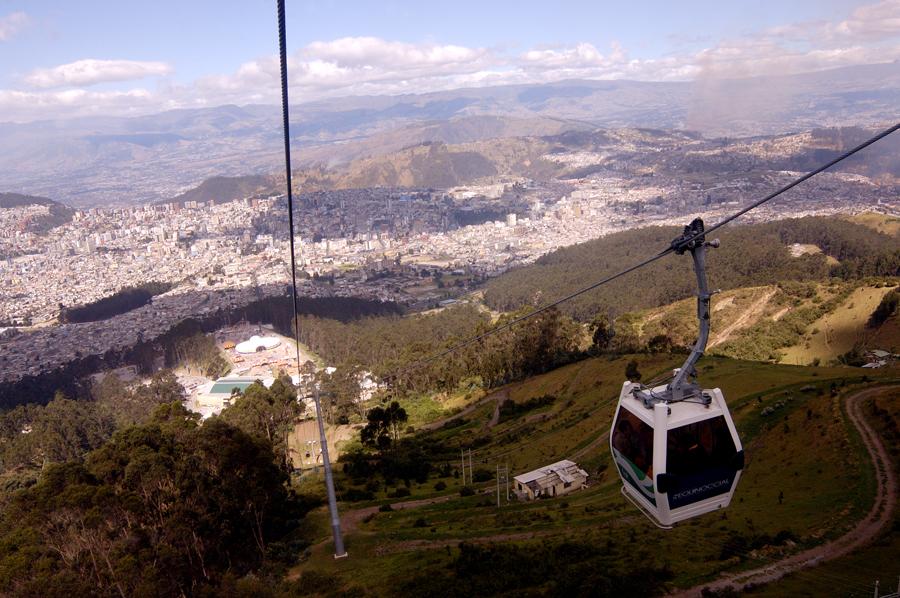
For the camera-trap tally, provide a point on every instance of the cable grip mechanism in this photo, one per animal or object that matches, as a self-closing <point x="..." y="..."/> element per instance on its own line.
<point x="692" y="240"/>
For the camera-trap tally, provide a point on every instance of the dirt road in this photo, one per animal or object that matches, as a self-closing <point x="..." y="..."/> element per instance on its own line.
<point x="879" y="516"/>
<point x="745" y="319"/>
<point x="500" y="396"/>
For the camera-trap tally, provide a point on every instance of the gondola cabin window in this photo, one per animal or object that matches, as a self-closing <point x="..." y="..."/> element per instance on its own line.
<point x="632" y="445"/>
<point x="700" y="461"/>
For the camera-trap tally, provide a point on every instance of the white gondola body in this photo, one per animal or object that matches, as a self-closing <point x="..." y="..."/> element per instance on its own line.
<point x="676" y="460"/>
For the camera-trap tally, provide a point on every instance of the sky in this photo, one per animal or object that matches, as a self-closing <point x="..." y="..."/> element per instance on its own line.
<point x="65" y="59"/>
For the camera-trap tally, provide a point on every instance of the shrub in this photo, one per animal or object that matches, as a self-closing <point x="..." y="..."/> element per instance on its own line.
<point x="356" y="495"/>
<point x="399" y="492"/>
<point x="482" y="475"/>
<point x="510" y="409"/>
<point x="466" y="491"/>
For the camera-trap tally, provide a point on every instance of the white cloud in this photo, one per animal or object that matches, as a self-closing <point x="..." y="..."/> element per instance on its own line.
<point x="873" y="21"/>
<point x="27" y="105"/>
<point x="12" y="24"/>
<point x="368" y="52"/>
<point x="375" y="66"/>
<point x="90" y="72"/>
<point x="356" y="64"/>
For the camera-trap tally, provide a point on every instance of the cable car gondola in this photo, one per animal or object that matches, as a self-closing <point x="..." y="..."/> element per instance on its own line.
<point x="675" y="445"/>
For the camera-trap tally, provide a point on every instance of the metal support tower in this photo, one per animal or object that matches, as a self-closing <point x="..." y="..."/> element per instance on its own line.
<point x="339" y="551"/>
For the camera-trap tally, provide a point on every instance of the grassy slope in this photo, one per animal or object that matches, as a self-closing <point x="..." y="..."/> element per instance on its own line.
<point x="889" y="225"/>
<point x="804" y="449"/>
<point x="854" y="575"/>
<point x="736" y="312"/>
<point x="837" y="332"/>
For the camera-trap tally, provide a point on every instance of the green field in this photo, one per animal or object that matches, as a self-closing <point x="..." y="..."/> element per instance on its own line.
<point x="807" y="480"/>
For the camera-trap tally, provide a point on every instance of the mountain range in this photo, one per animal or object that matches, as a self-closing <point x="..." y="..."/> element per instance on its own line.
<point x="127" y="160"/>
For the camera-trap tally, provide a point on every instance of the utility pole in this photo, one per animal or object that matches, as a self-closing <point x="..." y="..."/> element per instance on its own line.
<point x="502" y="478"/>
<point x="471" y="469"/>
<point x="339" y="551"/>
<point x="462" y="456"/>
<point x="507" y="483"/>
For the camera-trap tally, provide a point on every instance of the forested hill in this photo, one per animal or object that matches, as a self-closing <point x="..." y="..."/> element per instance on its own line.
<point x="750" y="255"/>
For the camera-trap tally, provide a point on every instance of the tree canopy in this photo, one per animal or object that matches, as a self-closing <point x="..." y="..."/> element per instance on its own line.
<point x="166" y="508"/>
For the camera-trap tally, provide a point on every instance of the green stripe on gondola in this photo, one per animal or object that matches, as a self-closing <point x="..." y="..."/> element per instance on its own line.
<point x="634" y="476"/>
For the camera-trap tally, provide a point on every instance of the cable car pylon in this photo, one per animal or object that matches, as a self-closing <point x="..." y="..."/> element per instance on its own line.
<point x="675" y="445"/>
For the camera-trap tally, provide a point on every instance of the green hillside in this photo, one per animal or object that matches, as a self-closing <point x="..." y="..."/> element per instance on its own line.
<point x="807" y="481"/>
<point x="750" y="255"/>
<point x="791" y="323"/>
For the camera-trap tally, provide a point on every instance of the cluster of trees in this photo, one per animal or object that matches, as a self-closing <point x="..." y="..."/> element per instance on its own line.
<point x="65" y="429"/>
<point x="383" y="428"/>
<point x="397" y="462"/>
<point x="371" y="342"/>
<point x="268" y="414"/>
<point x="123" y="301"/>
<point x="391" y="348"/>
<point x="125" y="493"/>
<point x="750" y="255"/>
<point x="165" y="508"/>
<point x="200" y="353"/>
<point x="511" y="409"/>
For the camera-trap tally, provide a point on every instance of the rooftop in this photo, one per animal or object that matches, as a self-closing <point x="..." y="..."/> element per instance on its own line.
<point x="560" y="468"/>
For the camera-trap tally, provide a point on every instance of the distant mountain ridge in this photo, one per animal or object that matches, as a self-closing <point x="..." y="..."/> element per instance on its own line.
<point x="119" y="160"/>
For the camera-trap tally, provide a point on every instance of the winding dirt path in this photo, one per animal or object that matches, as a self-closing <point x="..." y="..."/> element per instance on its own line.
<point x="752" y="311"/>
<point x="879" y="516"/>
<point x="498" y="395"/>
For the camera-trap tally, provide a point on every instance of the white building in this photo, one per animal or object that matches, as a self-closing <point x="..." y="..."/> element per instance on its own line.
<point x="555" y="479"/>
<point x="256" y="344"/>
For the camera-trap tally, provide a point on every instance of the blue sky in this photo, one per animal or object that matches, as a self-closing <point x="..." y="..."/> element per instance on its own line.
<point x="71" y="58"/>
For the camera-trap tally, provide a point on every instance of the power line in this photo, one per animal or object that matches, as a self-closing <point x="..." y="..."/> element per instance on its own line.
<point x="676" y="245"/>
<point x="535" y="312"/>
<point x="805" y="177"/>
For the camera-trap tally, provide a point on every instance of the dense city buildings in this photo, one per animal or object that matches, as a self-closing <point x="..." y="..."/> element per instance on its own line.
<point x="418" y="247"/>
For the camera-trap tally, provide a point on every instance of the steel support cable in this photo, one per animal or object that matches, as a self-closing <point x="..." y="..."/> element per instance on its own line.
<point x="648" y="261"/>
<point x="531" y="314"/>
<point x="282" y="52"/>
<point x="339" y="551"/>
